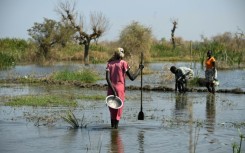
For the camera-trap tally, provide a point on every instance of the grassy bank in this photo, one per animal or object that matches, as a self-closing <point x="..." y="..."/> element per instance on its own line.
<point x="51" y="100"/>
<point x="42" y="100"/>
<point x="84" y="76"/>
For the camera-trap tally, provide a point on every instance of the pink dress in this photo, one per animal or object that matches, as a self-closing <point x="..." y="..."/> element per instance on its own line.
<point x="117" y="70"/>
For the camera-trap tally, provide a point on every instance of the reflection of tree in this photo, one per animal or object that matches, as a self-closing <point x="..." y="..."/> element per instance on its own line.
<point x="141" y="141"/>
<point x="210" y="112"/>
<point x="116" y="142"/>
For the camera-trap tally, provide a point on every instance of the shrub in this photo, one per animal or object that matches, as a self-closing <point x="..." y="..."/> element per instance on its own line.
<point x="6" y="60"/>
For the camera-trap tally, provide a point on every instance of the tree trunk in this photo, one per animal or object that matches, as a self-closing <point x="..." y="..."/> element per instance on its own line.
<point x="44" y="50"/>
<point x="86" y="55"/>
<point x="172" y="34"/>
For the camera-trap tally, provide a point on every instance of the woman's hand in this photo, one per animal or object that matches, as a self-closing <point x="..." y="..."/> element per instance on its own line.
<point x="141" y="66"/>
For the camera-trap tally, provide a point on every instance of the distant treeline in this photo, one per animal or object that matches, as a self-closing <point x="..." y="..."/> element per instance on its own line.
<point x="228" y="49"/>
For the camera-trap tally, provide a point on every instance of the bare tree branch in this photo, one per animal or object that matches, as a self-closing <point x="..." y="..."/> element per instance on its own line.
<point x="98" y="22"/>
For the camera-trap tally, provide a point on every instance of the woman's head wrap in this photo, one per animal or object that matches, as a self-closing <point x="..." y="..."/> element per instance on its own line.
<point x="120" y="52"/>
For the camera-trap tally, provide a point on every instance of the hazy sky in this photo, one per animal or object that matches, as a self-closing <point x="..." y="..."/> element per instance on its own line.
<point x="195" y="17"/>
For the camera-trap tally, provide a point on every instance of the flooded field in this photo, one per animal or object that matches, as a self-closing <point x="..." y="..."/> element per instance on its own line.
<point x="191" y="122"/>
<point x="229" y="79"/>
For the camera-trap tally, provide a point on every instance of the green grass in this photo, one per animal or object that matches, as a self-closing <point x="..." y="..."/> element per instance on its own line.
<point x="43" y="101"/>
<point x="194" y="82"/>
<point x="92" y="97"/>
<point x="71" y="119"/>
<point x="51" y="100"/>
<point x="237" y="148"/>
<point x="85" y="76"/>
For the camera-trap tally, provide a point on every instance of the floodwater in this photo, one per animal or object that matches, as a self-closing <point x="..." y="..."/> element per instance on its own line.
<point x="190" y="122"/>
<point x="228" y="79"/>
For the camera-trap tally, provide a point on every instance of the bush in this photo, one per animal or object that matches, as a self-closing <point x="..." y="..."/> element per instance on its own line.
<point x="6" y="60"/>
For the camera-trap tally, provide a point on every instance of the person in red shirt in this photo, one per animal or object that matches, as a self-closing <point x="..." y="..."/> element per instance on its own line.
<point x="116" y="72"/>
<point x="210" y="72"/>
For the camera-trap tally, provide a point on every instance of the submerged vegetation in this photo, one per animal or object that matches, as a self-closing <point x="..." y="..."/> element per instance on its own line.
<point x="73" y="121"/>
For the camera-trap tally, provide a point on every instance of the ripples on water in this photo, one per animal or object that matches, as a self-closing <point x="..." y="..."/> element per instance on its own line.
<point x="166" y="127"/>
<point x="169" y="125"/>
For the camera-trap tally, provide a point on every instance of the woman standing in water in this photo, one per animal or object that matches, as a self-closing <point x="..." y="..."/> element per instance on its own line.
<point x="116" y="72"/>
<point x="210" y="72"/>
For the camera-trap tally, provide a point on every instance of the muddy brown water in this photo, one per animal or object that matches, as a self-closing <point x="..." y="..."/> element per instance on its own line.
<point x="173" y="122"/>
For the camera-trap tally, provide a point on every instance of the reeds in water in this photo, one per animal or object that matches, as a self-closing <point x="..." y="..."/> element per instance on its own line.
<point x="71" y="119"/>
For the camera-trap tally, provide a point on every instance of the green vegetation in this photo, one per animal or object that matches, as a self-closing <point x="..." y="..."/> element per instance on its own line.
<point x="51" y="100"/>
<point x="228" y="49"/>
<point x="71" y="119"/>
<point x="85" y="76"/>
<point x="136" y="38"/>
<point x="92" y="97"/>
<point x="48" y="34"/>
<point x="12" y="51"/>
<point x="67" y="39"/>
<point x="42" y="100"/>
<point x="6" y="60"/>
<point x="15" y="46"/>
<point x="99" y="24"/>
<point x="238" y="148"/>
<point x="163" y="51"/>
<point x="194" y="81"/>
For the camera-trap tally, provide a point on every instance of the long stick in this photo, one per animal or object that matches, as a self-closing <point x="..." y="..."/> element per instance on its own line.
<point x="141" y="83"/>
<point x="141" y="114"/>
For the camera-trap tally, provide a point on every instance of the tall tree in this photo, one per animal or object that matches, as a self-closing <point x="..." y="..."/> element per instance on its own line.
<point x="49" y="33"/>
<point x="99" y="24"/>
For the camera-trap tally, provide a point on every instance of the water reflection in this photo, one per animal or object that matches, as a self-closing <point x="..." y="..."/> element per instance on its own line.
<point x="210" y="112"/>
<point x="190" y="110"/>
<point x="141" y="141"/>
<point x="180" y="105"/>
<point x="116" y="142"/>
<point x="181" y="101"/>
<point x="69" y="140"/>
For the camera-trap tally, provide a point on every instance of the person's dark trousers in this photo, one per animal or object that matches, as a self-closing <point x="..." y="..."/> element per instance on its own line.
<point x="208" y="87"/>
